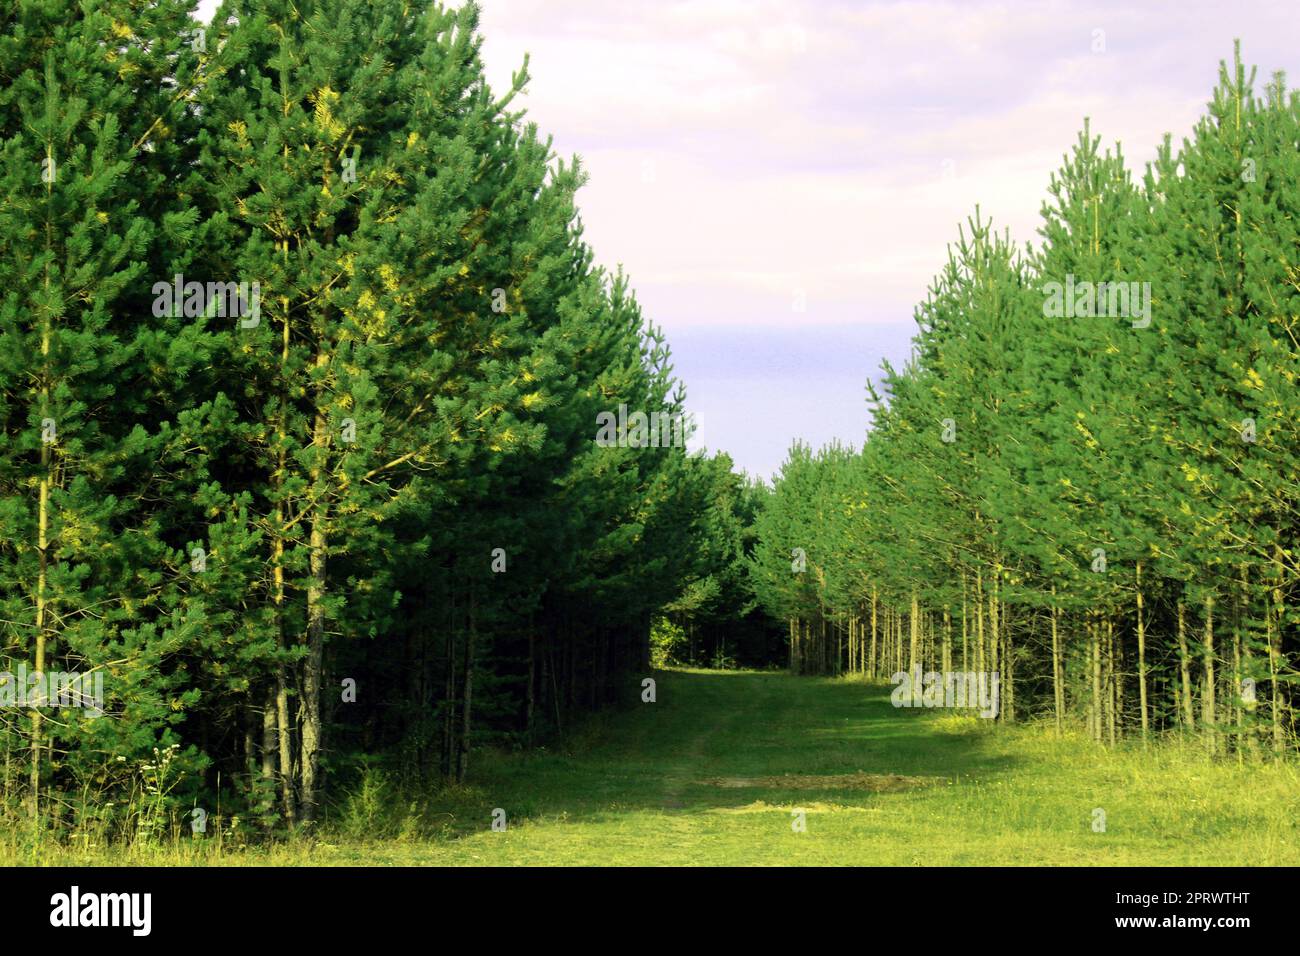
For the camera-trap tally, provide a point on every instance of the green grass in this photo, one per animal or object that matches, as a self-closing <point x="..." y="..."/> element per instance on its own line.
<point x="642" y="788"/>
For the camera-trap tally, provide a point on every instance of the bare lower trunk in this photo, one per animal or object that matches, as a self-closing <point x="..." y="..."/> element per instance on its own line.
<point x="313" y="676"/>
<point x="43" y="525"/>
<point x="285" y="741"/>
<point x="1185" y="670"/>
<point x="278" y="585"/>
<point x="449" y="695"/>
<point x="914" y="631"/>
<point x="793" y="640"/>
<point x="467" y="692"/>
<point x="872" y="663"/>
<point x="1095" y="628"/>
<point x="1207" y="699"/>
<point x="286" y="747"/>
<point x="965" y="663"/>
<point x="1142" y="654"/>
<point x="1274" y="657"/>
<point x="1058" y="692"/>
<point x="42" y="610"/>
<point x="268" y="736"/>
<point x="947" y="639"/>
<point x="1112" y="681"/>
<point x="530" y="703"/>
<point x="994" y="637"/>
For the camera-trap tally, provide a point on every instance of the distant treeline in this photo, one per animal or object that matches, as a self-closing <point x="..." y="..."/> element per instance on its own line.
<point x="1087" y="477"/>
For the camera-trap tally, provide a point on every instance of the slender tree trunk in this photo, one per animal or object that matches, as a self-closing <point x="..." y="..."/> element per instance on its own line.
<point x="837" y="664"/>
<point x="898" y="638"/>
<point x="965" y="663"/>
<point x="947" y="639"/>
<point x="268" y="736"/>
<point x="286" y="747"/>
<point x="1208" y="716"/>
<point x="1096" y="681"/>
<point x="284" y="735"/>
<point x="285" y="730"/>
<point x="532" y="681"/>
<point x="1185" y="668"/>
<point x="1120" y="662"/>
<point x="872" y="664"/>
<point x="467" y="690"/>
<point x="994" y="634"/>
<point x="914" y="626"/>
<point x="250" y="745"/>
<point x="1008" y="663"/>
<point x="449" y="693"/>
<point x="1237" y="718"/>
<point x="42" y="608"/>
<point x="43" y="638"/>
<point x="1112" y="697"/>
<point x="313" y="728"/>
<point x="1275" y="654"/>
<point x="1058" y="692"/>
<point x="806" y="650"/>
<point x="1142" y="655"/>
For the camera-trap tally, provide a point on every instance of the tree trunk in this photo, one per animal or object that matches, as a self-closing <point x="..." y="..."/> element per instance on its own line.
<point x="1236" y="681"/>
<point x="278" y="584"/>
<point x="947" y="640"/>
<point x="1275" y="654"/>
<point x="872" y="664"/>
<point x="43" y="516"/>
<point x="313" y="729"/>
<point x="467" y="691"/>
<point x="449" y="694"/>
<point x="1008" y="664"/>
<point x="994" y="636"/>
<point x="1112" y="681"/>
<point x="1185" y="668"/>
<point x="1207" y="700"/>
<point x="1095" y="628"/>
<point x="914" y="625"/>
<point x="1142" y="655"/>
<point x="1058" y="692"/>
<point x="268" y="736"/>
<point x="286" y="747"/>
<point x="965" y="663"/>
<point x="285" y="739"/>
<point x="532" y="681"/>
<point x="42" y="609"/>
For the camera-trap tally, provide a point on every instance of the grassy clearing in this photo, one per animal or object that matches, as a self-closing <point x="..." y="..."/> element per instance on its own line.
<point x="712" y="772"/>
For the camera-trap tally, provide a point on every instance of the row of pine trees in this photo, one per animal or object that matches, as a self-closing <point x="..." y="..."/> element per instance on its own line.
<point x="1099" y="500"/>
<point x="358" y="509"/>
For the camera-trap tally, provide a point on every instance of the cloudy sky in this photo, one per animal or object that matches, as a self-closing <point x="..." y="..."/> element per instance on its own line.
<point x="780" y="179"/>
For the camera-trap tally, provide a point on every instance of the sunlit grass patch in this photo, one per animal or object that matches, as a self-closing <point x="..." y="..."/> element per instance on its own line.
<point x="949" y="723"/>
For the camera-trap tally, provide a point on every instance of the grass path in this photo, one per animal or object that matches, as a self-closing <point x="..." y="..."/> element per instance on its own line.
<point x="711" y="773"/>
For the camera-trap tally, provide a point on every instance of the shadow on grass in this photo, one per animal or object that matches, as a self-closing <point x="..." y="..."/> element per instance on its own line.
<point x="732" y="725"/>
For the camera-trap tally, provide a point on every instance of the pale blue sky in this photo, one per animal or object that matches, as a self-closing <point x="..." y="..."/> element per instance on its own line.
<point x="780" y="177"/>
